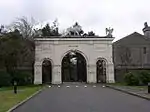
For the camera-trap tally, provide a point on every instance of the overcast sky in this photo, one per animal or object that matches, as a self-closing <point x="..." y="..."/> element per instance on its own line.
<point x="125" y="16"/>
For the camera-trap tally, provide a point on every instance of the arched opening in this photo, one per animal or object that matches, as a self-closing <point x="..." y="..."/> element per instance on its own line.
<point x="46" y="72"/>
<point x="101" y="71"/>
<point x="74" y="68"/>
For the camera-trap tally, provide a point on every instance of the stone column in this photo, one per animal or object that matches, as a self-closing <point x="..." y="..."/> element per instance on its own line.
<point x="37" y="74"/>
<point x="56" y="75"/>
<point x="110" y="73"/>
<point x="91" y="74"/>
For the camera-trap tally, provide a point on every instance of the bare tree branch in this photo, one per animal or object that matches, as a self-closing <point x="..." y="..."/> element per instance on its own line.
<point x="25" y="26"/>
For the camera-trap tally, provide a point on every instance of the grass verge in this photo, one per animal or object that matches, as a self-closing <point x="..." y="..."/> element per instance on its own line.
<point x="8" y="99"/>
<point x="132" y="87"/>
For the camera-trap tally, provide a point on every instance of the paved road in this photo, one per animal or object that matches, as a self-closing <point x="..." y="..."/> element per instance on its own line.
<point x="84" y="99"/>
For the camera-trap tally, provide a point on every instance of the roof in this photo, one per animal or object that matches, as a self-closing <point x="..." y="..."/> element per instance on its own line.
<point x="134" y="38"/>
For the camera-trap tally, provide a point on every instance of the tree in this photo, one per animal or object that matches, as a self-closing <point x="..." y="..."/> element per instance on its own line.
<point x="10" y="48"/>
<point x="46" y="31"/>
<point x="25" y="27"/>
<point x="91" y="33"/>
<point x="27" y="32"/>
<point x="51" y="30"/>
<point x="14" y="50"/>
<point x="55" y="29"/>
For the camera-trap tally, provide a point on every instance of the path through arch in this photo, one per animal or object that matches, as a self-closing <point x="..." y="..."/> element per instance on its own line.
<point x="46" y="71"/>
<point x="74" y="67"/>
<point x="101" y="71"/>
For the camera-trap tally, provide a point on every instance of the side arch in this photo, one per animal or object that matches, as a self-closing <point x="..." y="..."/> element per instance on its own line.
<point x="101" y="70"/>
<point x="41" y="61"/>
<point x="102" y="58"/>
<point x="47" y="70"/>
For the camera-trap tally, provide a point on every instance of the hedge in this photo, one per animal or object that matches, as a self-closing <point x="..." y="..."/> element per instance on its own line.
<point x="131" y="79"/>
<point x="137" y="78"/>
<point x="22" y="78"/>
<point x="144" y="77"/>
<point x="5" y="79"/>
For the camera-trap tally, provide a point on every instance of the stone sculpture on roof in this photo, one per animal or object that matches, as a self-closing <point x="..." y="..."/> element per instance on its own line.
<point x="109" y="32"/>
<point x="75" y="30"/>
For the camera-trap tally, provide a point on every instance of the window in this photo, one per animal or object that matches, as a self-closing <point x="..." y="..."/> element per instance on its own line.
<point x="144" y="50"/>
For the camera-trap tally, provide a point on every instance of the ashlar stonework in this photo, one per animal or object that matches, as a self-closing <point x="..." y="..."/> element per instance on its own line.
<point x="54" y="49"/>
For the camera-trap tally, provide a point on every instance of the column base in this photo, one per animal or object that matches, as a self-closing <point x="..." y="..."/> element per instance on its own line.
<point x="37" y="82"/>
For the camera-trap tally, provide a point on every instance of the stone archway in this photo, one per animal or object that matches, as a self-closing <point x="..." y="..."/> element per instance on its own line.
<point x="56" y="49"/>
<point x="46" y="71"/>
<point x="101" y="71"/>
<point x="74" y="67"/>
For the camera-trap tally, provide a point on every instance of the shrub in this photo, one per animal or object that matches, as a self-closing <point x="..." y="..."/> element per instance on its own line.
<point x="144" y="77"/>
<point x="5" y="79"/>
<point x="23" y="78"/>
<point x="131" y="79"/>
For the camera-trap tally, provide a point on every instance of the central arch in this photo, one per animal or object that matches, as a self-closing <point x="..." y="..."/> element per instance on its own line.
<point x="74" y="67"/>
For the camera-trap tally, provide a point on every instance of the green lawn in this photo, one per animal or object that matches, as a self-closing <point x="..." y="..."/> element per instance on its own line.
<point x="8" y="99"/>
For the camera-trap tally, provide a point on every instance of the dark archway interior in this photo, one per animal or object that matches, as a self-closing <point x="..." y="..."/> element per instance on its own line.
<point x="101" y="71"/>
<point x="46" y="71"/>
<point x="74" y="68"/>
